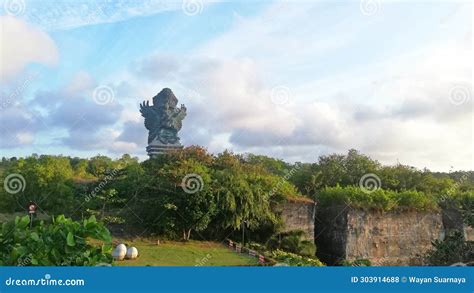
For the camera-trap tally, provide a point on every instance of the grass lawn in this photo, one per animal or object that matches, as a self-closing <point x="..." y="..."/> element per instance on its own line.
<point x="191" y="253"/>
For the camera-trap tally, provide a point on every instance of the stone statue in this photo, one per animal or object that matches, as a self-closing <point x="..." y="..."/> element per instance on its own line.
<point x="163" y="119"/>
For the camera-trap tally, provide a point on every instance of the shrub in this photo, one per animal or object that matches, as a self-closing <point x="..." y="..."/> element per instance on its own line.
<point x="464" y="201"/>
<point x="292" y="241"/>
<point x="63" y="242"/>
<point x="256" y="246"/>
<point x="467" y="208"/>
<point x="379" y="199"/>
<point x="295" y="260"/>
<point x="452" y="249"/>
<point x="415" y="200"/>
<point x="356" y="263"/>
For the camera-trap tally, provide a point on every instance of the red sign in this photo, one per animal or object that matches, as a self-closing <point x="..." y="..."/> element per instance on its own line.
<point x="32" y="208"/>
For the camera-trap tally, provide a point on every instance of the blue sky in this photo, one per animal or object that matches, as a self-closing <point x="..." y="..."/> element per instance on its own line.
<point x="290" y="79"/>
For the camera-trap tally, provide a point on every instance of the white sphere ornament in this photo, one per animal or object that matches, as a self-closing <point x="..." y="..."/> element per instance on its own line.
<point x="119" y="252"/>
<point x="132" y="253"/>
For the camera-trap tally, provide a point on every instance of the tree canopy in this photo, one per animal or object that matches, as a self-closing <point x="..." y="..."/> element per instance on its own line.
<point x="194" y="192"/>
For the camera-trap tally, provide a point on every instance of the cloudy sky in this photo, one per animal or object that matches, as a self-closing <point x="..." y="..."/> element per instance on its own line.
<point x="290" y="79"/>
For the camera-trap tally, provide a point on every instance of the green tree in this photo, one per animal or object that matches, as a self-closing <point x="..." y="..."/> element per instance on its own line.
<point x="272" y="165"/>
<point x="400" y="177"/>
<point x="344" y="170"/>
<point x="79" y="167"/>
<point x="46" y="180"/>
<point x="332" y="170"/>
<point x="307" y="179"/>
<point x="241" y="194"/>
<point x="178" y="197"/>
<point x="99" y="165"/>
<point x="102" y="205"/>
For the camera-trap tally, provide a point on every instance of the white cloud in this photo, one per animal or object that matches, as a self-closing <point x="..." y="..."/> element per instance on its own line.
<point x="234" y="110"/>
<point x="80" y="82"/>
<point x="121" y="147"/>
<point x="72" y="14"/>
<point x="21" y="44"/>
<point x="395" y="107"/>
<point x="131" y="115"/>
<point x="62" y="15"/>
<point x="286" y="37"/>
<point x="25" y="138"/>
<point x="18" y="126"/>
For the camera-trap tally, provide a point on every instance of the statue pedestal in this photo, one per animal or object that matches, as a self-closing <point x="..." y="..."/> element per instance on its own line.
<point x="157" y="148"/>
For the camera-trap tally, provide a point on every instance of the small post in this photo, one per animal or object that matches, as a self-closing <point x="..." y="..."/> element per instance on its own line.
<point x="31" y="211"/>
<point x="243" y="233"/>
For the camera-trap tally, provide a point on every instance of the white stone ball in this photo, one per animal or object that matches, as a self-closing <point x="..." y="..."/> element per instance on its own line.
<point x="121" y="247"/>
<point x="119" y="252"/>
<point x="132" y="253"/>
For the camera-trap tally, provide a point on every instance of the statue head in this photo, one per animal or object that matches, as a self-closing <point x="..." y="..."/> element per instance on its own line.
<point x="165" y="99"/>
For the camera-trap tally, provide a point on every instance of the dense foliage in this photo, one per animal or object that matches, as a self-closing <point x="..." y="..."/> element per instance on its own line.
<point x="453" y="249"/>
<point x="59" y="185"/>
<point x="228" y="193"/>
<point x="463" y="201"/>
<point x="63" y="242"/>
<point x="379" y="199"/>
<point x="347" y="170"/>
<point x="356" y="263"/>
<point x="293" y="259"/>
<point x="292" y="241"/>
<point x="235" y="192"/>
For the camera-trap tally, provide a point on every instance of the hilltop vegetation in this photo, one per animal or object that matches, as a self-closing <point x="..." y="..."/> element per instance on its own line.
<point x="224" y="191"/>
<point x="227" y="190"/>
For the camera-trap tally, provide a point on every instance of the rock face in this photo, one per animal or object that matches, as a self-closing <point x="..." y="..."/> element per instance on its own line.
<point x="392" y="238"/>
<point x="385" y="238"/>
<point x="395" y="238"/>
<point x="452" y="220"/>
<point x="330" y="233"/>
<point x="298" y="214"/>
